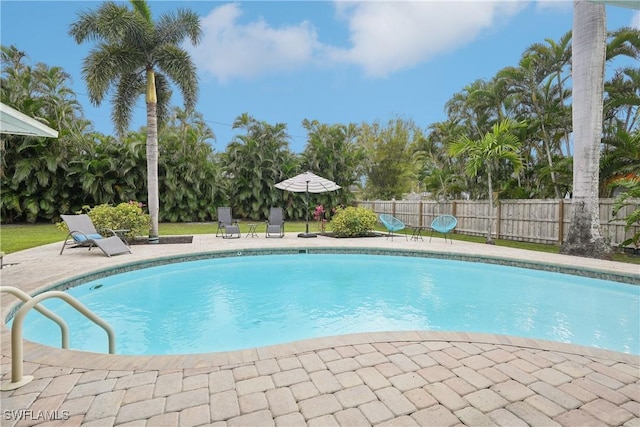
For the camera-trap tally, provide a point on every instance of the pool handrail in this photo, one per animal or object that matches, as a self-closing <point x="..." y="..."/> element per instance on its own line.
<point x="24" y="297"/>
<point x="17" y="359"/>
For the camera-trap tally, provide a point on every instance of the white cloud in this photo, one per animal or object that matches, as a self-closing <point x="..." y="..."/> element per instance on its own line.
<point x="390" y="36"/>
<point x="384" y="37"/>
<point x="230" y="49"/>
<point x="635" y="20"/>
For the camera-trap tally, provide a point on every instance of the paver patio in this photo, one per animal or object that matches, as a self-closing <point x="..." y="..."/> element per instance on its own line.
<point x="386" y="378"/>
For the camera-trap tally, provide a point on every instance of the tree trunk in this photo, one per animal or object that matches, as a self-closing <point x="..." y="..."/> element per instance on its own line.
<point x="152" y="157"/>
<point x="490" y="222"/>
<point x="588" y="62"/>
<point x="547" y="150"/>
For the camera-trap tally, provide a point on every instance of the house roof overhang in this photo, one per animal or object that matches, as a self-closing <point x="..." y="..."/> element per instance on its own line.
<point x="14" y="122"/>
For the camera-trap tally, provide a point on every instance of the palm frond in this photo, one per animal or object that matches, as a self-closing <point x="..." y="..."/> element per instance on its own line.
<point x="129" y="88"/>
<point x="176" y="63"/>
<point x="163" y="94"/>
<point x="173" y="28"/>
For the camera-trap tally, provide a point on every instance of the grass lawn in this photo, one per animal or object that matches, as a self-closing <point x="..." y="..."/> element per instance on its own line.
<point x="17" y="237"/>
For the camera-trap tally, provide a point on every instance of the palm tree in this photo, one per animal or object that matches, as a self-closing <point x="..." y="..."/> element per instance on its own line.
<point x="557" y="57"/>
<point x="34" y="171"/>
<point x="187" y="169"/>
<point x="255" y="161"/>
<point x="495" y="148"/>
<point x="620" y="159"/>
<point x="332" y="152"/>
<point x="534" y="86"/>
<point x="588" y="60"/>
<point x="136" y="56"/>
<point x="622" y="101"/>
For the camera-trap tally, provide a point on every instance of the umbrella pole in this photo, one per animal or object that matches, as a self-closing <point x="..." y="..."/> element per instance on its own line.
<point x="306" y="234"/>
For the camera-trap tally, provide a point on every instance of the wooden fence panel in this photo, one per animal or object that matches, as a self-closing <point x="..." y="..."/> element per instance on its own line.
<point x="408" y="211"/>
<point x="529" y="220"/>
<point x="538" y="220"/>
<point x="473" y="217"/>
<point x="612" y="226"/>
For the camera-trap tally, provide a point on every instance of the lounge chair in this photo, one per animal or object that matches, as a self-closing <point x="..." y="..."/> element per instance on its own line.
<point x="228" y="227"/>
<point x="392" y="224"/>
<point x="275" y="223"/>
<point x="82" y="233"/>
<point x="444" y="224"/>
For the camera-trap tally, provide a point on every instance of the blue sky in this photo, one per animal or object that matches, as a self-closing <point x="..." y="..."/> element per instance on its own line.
<point x="336" y="62"/>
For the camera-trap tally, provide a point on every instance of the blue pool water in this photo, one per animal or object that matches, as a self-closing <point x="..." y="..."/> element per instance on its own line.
<point x="235" y="303"/>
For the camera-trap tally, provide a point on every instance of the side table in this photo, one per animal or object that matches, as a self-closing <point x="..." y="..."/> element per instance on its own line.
<point x="252" y="231"/>
<point x="122" y="234"/>
<point x="416" y="233"/>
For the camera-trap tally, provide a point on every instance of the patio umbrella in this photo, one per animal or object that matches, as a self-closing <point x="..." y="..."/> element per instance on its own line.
<point x="308" y="183"/>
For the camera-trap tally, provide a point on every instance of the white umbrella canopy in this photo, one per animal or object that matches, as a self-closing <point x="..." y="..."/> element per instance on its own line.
<point x="307" y="182"/>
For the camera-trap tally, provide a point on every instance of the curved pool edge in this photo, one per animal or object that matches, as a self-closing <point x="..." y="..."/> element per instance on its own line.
<point x="41" y="354"/>
<point x="37" y="353"/>
<point x="616" y="276"/>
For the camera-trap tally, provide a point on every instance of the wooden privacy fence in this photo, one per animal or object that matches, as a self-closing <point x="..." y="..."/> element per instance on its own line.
<point x="536" y="220"/>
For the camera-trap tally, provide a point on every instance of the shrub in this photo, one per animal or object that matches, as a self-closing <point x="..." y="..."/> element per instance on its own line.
<point x="629" y="198"/>
<point x="353" y="222"/>
<point x="125" y="216"/>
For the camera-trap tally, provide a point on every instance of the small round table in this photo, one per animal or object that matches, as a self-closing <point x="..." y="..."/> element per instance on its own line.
<point x="252" y="230"/>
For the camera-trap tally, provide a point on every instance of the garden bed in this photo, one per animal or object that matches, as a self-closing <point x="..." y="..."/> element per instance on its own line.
<point x="370" y="234"/>
<point x="163" y="240"/>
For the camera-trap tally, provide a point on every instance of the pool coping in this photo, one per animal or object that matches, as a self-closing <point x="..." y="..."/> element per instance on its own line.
<point x="42" y="354"/>
<point x="70" y="282"/>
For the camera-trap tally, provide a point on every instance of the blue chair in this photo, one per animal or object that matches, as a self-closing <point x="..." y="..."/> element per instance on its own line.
<point x="444" y="224"/>
<point x="392" y="224"/>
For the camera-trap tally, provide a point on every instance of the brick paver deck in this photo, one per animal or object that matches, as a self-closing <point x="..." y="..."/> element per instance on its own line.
<point x="387" y="379"/>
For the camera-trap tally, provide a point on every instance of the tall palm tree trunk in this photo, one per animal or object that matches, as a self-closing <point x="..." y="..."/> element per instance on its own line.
<point x="152" y="157"/>
<point x="588" y="62"/>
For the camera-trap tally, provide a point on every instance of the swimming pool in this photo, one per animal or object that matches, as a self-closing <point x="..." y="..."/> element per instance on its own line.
<point x="244" y="302"/>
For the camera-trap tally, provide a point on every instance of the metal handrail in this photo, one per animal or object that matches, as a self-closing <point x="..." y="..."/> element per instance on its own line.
<point x="24" y="297"/>
<point x="17" y="379"/>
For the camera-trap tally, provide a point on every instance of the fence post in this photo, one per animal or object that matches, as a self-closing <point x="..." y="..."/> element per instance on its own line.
<point x="420" y="214"/>
<point x="560" y="221"/>
<point x="454" y="210"/>
<point x="393" y="207"/>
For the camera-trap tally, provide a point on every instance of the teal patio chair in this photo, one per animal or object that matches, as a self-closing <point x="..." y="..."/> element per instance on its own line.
<point x="392" y="224"/>
<point x="444" y="224"/>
